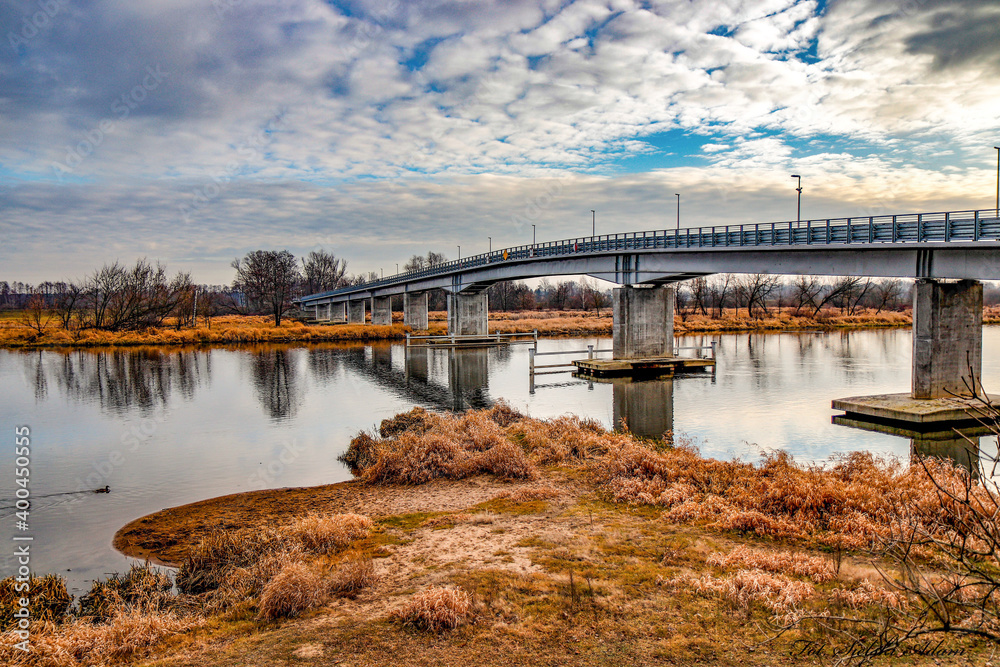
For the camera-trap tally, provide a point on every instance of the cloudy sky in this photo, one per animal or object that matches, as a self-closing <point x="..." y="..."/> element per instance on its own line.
<point x="193" y="131"/>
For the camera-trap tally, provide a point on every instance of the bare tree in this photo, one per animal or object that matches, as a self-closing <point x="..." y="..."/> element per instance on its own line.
<point x="721" y="292"/>
<point x="323" y="272"/>
<point x="268" y="279"/>
<point x="886" y="294"/>
<point x="754" y="289"/>
<point x="36" y="314"/>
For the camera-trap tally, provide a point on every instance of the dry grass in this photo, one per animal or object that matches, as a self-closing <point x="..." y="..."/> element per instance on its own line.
<point x="321" y="533"/>
<point x="776" y="592"/>
<point x="140" y="589"/>
<point x="351" y="576"/>
<point x="48" y="599"/>
<point x="294" y="589"/>
<point x="437" y="609"/>
<point x="124" y="637"/>
<point x="816" y="568"/>
<point x="259" y="329"/>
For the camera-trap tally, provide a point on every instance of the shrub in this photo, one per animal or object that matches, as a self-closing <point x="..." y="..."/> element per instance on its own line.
<point x="361" y="453"/>
<point x="221" y="551"/>
<point x="437" y="609"/>
<point x="414" y="420"/>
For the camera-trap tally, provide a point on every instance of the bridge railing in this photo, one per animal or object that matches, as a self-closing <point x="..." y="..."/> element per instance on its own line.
<point x="938" y="227"/>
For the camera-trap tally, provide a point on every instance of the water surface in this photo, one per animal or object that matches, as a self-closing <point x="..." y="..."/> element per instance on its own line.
<point x="163" y="427"/>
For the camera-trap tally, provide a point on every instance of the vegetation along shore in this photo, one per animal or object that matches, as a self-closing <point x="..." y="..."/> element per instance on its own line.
<point x="494" y="538"/>
<point x="237" y="329"/>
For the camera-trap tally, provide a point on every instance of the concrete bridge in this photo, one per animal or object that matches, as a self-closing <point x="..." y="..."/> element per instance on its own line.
<point x="930" y="247"/>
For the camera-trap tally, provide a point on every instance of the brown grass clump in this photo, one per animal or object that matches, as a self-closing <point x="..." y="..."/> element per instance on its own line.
<point x="141" y="588"/>
<point x="451" y="447"/>
<point x="294" y="589"/>
<point x="564" y="439"/>
<point x="437" y="609"/>
<point x="849" y="504"/>
<point x="776" y="592"/>
<point x="48" y="599"/>
<point x="780" y="562"/>
<point x="322" y="534"/>
<point x="361" y="453"/>
<point x="866" y="594"/>
<point x="351" y="576"/>
<point x="414" y="420"/>
<point x="126" y="636"/>
<point x="222" y="551"/>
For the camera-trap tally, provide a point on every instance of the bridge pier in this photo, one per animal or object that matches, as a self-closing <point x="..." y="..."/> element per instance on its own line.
<point x="643" y="322"/>
<point x="947" y="337"/>
<point x="382" y="310"/>
<point x="356" y="312"/>
<point x="468" y="314"/>
<point x="415" y="310"/>
<point x="341" y="311"/>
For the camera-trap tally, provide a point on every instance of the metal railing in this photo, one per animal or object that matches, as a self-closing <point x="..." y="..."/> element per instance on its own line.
<point x="514" y="337"/>
<point x="943" y="227"/>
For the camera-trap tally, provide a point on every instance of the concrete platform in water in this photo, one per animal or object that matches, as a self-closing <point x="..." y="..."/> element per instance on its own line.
<point x="906" y="409"/>
<point x="656" y="366"/>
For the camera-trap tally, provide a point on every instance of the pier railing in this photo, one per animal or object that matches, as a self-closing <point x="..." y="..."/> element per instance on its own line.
<point x="942" y="227"/>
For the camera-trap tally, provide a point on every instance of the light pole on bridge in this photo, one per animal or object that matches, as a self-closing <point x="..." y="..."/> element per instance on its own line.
<point x="491" y="244"/>
<point x="798" y="217"/>
<point x="998" y="180"/>
<point x="677" y="194"/>
<point x="459" y="256"/>
<point x="532" y="239"/>
<point x="593" y="222"/>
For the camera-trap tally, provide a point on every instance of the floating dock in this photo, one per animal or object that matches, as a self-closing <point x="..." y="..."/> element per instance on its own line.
<point x="651" y="367"/>
<point x="473" y="340"/>
<point x="905" y="409"/>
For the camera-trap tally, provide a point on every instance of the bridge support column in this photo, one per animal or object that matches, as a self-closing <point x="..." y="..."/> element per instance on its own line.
<point x="382" y="310"/>
<point x="468" y="314"/>
<point x="643" y="322"/>
<point x="341" y="311"/>
<point x="356" y="312"/>
<point x="415" y="311"/>
<point x="947" y="337"/>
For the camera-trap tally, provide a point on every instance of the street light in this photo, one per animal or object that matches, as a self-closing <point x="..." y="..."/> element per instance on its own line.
<point x="678" y="210"/>
<point x="593" y="222"/>
<point x="532" y="236"/>
<point x="491" y="244"/>
<point x="799" y="190"/>
<point x="397" y="268"/>
<point x="998" y="180"/>
<point x="460" y="255"/>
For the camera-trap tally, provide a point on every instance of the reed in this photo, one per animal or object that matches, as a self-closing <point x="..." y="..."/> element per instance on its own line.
<point x="48" y="599"/>
<point x="294" y="589"/>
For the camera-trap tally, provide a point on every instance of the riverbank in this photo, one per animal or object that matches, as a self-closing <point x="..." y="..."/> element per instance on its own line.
<point x="493" y="538"/>
<point x="238" y="329"/>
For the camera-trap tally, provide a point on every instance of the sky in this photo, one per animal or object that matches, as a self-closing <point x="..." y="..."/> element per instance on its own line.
<point x="192" y="132"/>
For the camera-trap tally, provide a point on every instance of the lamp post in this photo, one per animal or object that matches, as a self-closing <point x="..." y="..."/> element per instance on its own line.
<point x="593" y="222"/>
<point x="381" y="273"/>
<point x="491" y="244"/>
<point x="677" y="194"/>
<point x="798" y="217"/>
<point x="460" y="256"/>
<point x="532" y="236"/>
<point x="397" y="268"/>
<point x="998" y="180"/>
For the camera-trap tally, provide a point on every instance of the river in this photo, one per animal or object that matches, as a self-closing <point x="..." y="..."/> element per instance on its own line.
<point x="163" y="426"/>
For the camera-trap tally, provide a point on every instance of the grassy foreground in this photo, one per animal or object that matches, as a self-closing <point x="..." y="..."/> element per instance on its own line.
<point x="236" y="329"/>
<point x="491" y="538"/>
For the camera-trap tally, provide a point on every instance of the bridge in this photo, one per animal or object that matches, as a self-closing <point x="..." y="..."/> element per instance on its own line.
<point x="930" y="247"/>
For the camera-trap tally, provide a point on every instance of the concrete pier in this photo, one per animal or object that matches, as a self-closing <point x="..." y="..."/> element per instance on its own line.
<point x="382" y="310"/>
<point x="356" y="312"/>
<point x="947" y="337"/>
<point x="339" y="313"/>
<point x="468" y="314"/>
<point x="415" y="310"/>
<point x="643" y="322"/>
